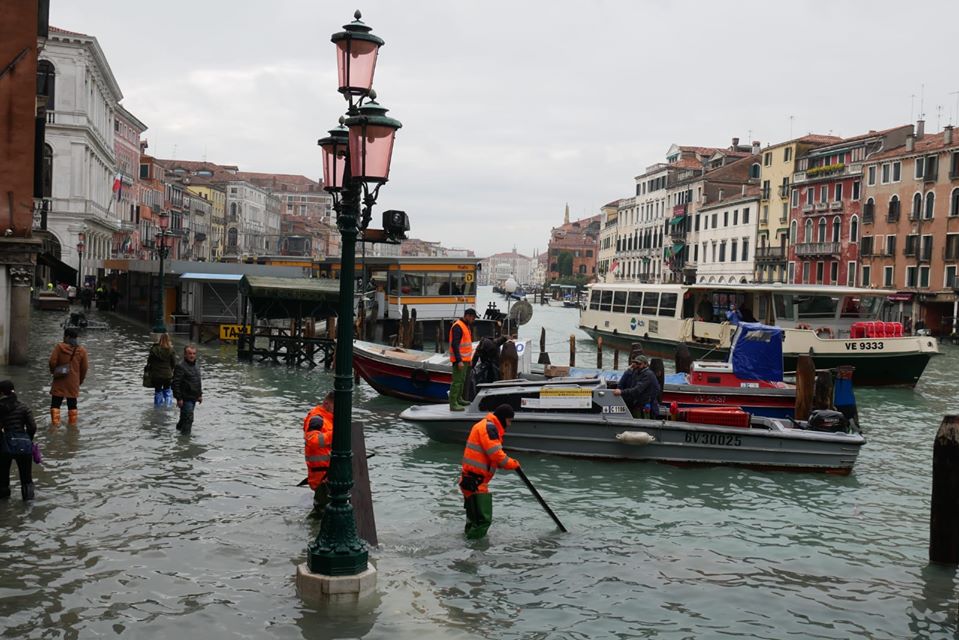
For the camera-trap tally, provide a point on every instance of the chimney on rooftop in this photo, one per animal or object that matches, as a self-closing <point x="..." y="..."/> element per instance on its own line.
<point x="910" y="142"/>
<point x="920" y="128"/>
<point x="735" y="143"/>
<point x="756" y="147"/>
<point x="947" y="134"/>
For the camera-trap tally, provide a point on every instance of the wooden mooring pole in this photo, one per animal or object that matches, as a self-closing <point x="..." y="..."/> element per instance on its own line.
<point x="543" y="356"/>
<point x="615" y="359"/>
<point x="944" y="509"/>
<point x="599" y="352"/>
<point x="805" y="385"/>
<point x="572" y="351"/>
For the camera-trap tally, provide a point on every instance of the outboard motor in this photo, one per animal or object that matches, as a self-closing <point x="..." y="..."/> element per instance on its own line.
<point x="828" y="420"/>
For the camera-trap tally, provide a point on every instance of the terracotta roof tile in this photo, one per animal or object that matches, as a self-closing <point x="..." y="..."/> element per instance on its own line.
<point x="68" y="33"/>
<point x="928" y="143"/>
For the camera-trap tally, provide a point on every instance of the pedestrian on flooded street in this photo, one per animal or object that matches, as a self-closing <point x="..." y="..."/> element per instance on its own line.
<point x="482" y="456"/>
<point x="17" y="429"/>
<point x="161" y="362"/>
<point x="68" y="366"/>
<point x="318" y="445"/>
<point x="187" y="388"/>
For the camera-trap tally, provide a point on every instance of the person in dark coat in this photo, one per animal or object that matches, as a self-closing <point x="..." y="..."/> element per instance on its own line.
<point x="17" y="429"/>
<point x="187" y="388"/>
<point x="68" y="353"/>
<point x="86" y="297"/>
<point x="639" y="388"/>
<point x="485" y="365"/>
<point x="161" y="362"/>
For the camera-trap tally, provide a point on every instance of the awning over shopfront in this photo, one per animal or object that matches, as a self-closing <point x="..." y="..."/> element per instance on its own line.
<point x="59" y="271"/>
<point x="678" y="247"/>
<point x="676" y="220"/>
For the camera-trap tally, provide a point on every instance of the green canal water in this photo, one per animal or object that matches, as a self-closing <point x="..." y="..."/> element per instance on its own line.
<point x="140" y="532"/>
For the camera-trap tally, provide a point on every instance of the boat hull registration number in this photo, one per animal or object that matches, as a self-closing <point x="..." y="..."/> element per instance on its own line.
<point x="614" y="409"/>
<point x="719" y="439"/>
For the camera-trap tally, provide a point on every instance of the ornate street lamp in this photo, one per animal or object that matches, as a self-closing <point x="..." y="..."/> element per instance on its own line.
<point x="81" y="243"/>
<point x="163" y="221"/>
<point x="353" y="159"/>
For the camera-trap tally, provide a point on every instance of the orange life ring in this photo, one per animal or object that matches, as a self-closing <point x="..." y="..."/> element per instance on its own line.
<point x="824" y="332"/>
<point x="803" y="327"/>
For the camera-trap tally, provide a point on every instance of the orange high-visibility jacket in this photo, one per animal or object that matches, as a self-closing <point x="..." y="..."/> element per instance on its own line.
<point x="466" y="343"/>
<point x="484" y="453"/>
<point x="318" y="410"/>
<point x="318" y="446"/>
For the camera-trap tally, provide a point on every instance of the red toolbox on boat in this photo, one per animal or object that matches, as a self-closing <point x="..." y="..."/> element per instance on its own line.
<point x="719" y="416"/>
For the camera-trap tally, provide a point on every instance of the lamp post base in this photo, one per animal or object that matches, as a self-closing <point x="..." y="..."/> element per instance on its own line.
<point x="318" y="588"/>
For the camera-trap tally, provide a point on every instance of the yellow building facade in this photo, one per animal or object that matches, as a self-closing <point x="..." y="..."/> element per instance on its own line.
<point x="777" y="166"/>
<point x="217" y="198"/>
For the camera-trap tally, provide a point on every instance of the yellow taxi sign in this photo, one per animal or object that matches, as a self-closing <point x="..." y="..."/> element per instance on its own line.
<point x="468" y="277"/>
<point x="232" y="331"/>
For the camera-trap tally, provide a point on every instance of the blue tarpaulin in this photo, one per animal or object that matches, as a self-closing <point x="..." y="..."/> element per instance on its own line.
<point x="757" y="352"/>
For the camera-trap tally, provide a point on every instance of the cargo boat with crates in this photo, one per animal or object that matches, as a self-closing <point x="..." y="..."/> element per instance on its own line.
<point x="836" y="325"/>
<point x="583" y="418"/>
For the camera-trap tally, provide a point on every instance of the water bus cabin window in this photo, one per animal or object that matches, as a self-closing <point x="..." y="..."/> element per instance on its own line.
<point x="634" y="303"/>
<point x="856" y="308"/>
<point x="606" y="302"/>
<point x="784" y="306"/>
<point x="406" y="284"/>
<point x="594" y="300"/>
<point x="816" y="307"/>
<point x="667" y="304"/>
<point x="619" y="301"/>
<point x="458" y="283"/>
<point x="650" y="303"/>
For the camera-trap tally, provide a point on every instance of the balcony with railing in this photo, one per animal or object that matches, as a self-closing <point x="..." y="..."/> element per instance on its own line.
<point x="770" y="254"/>
<point x="835" y="206"/>
<point x="784" y="191"/>
<point x="805" y="249"/>
<point x="764" y="193"/>
<point x="829" y="171"/>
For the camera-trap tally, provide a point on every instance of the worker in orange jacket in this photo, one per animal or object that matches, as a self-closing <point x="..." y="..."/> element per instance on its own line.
<point x="318" y="439"/>
<point x="482" y="456"/>
<point x="461" y="357"/>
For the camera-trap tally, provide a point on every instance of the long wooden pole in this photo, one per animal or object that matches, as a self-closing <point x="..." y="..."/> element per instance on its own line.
<point x="539" y="498"/>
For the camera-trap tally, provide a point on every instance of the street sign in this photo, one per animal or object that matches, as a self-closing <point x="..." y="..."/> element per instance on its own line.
<point x="232" y="331"/>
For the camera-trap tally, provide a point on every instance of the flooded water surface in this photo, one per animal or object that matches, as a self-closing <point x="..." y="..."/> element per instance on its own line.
<point x="141" y="532"/>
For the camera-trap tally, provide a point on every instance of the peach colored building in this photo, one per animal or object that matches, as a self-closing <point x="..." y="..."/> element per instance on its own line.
<point x="826" y="208"/>
<point x="910" y="230"/>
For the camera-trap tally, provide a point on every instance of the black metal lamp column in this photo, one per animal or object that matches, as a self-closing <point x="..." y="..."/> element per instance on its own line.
<point x="80" y="246"/>
<point x="163" y="220"/>
<point x="352" y="160"/>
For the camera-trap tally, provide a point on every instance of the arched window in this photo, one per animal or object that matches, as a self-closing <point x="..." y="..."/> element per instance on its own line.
<point x="916" y="205"/>
<point x="822" y="230"/>
<point x="582" y="268"/>
<point x="954" y="203"/>
<point x="231" y="238"/>
<point x="807" y="235"/>
<point x="930" y="204"/>
<point x="46" y="82"/>
<point x="793" y="230"/>
<point x="742" y="280"/>
<point x="836" y="228"/>
<point x="233" y="210"/>
<point x="854" y="229"/>
<point x="894" y="208"/>
<point x="754" y="170"/>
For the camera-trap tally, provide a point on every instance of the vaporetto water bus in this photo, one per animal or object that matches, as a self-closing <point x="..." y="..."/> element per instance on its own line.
<point x="836" y="325"/>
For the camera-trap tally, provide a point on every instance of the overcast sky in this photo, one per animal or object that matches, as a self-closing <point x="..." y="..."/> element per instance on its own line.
<point x="510" y="110"/>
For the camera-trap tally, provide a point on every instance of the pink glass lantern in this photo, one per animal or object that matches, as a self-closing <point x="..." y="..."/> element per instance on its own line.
<point x="163" y="220"/>
<point x="334" y="149"/>
<point x="371" y="142"/>
<point x="356" y="52"/>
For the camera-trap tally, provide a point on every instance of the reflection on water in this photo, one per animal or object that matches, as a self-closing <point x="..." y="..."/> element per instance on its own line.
<point x="140" y="531"/>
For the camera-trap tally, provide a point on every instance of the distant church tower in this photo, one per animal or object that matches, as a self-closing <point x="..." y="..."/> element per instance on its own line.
<point x="566" y="217"/>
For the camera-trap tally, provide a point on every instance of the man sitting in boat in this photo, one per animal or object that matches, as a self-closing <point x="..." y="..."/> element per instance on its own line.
<point x="640" y="389"/>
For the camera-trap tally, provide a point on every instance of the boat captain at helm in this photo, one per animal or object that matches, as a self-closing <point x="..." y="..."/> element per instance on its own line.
<point x="639" y="388"/>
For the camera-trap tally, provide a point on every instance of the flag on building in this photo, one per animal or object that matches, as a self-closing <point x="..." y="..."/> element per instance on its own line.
<point x="117" y="186"/>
